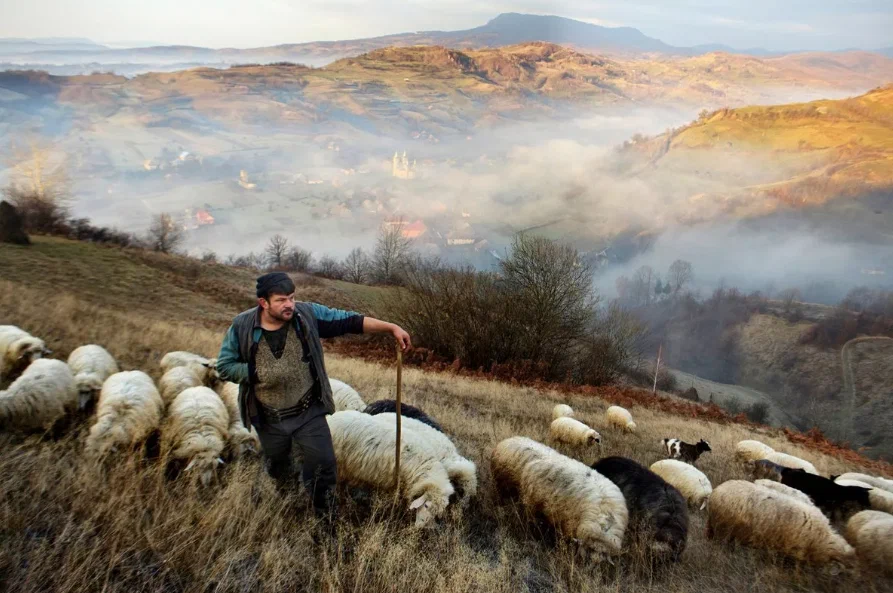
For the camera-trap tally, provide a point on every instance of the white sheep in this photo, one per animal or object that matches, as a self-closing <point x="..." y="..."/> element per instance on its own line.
<point x="462" y="472"/>
<point x="179" y="378"/>
<point x="562" y="411"/>
<point x="878" y="499"/>
<point x="871" y="533"/>
<point x="763" y="518"/>
<point x="364" y="450"/>
<point x="573" y="432"/>
<point x="18" y="349"/>
<point x="182" y="358"/>
<point x="750" y="450"/>
<point x="346" y="397"/>
<point x="873" y="481"/>
<point x="579" y="501"/>
<point x="44" y="393"/>
<point x="689" y="480"/>
<point x="621" y="418"/>
<point x="91" y="365"/>
<point x="783" y="489"/>
<point x="197" y="430"/>
<point x="129" y="410"/>
<point x="791" y="462"/>
<point x="241" y="440"/>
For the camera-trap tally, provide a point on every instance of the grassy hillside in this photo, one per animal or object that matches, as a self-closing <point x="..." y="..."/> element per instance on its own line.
<point x="64" y="529"/>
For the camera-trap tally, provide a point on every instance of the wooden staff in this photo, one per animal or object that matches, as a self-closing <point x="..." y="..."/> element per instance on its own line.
<point x="657" y="369"/>
<point x="399" y="393"/>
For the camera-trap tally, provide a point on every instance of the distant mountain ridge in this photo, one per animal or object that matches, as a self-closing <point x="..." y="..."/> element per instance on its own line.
<point x="504" y="30"/>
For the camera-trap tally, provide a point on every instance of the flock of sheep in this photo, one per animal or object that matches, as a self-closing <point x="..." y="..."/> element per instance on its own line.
<point x="786" y="508"/>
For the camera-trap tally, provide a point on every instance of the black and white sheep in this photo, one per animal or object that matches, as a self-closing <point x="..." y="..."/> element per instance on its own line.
<point x="18" y="349"/>
<point x="679" y="449"/>
<point x="364" y="450"/>
<point x="128" y="412"/>
<point x="763" y="518"/>
<point x="383" y="406"/>
<point x="91" y="365"/>
<point x="655" y="507"/>
<point x="42" y="395"/>
<point x="579" y="501"/>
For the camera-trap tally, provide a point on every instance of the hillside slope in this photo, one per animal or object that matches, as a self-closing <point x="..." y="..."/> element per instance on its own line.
<point x="146" y="533"/>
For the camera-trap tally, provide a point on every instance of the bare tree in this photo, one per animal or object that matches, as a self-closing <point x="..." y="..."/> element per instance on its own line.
<point x="39" y="187"/>
<point x="391" y="251"/>
<point x="680" y="274"/>
<point x="276" y="251"/>
<point x="357" y="266"/>
<point x="788" y="297"/>
<point x="165" y="235"/>
<point x="642" y="285"/>
<point x="328" y="267"/>
<point x="297" y="260"/>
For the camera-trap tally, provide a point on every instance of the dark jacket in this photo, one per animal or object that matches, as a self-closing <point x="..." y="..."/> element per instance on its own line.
<point x="312" y="321"/>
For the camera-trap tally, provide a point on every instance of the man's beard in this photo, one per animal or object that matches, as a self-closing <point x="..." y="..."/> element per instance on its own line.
<point x="284" y="316"/>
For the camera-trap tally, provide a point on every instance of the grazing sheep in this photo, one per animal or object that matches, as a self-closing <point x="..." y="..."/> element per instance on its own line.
<point x="91" y="366"/>
<point x="179" y="378"/>
<point x="791" y="462"/>
<point x="18" y="349"/>
<point x="654" y="506"/>
<point x="383" y="406"/>
<point x="690" y="481"/>
<point x="752" y="450"/>
<point x="872" y="481"/>
<point x="763" y="518"/>
<point x="678" y="449"/>
<point x="871" y="533"/>
<point x="573" y="432"/>
<point x="364" y="450"/>
<point x="562" y="411"/>
<point x="42" y="395"/>
<point x="241" y="440"/>
<point x="579" y="501"/>
<point x="129" y="411"/>
<point x="763" y="468"/>
<point x="180" y="358"/>
<point x="878" y="499"/>
<point x="462" y="472"/>
<point x="346" y="397"/>
<point x="786" y="490"/>
<point x="621" y="418"/>
<point x="828" y="496"/>
<point x="196" y="430"/>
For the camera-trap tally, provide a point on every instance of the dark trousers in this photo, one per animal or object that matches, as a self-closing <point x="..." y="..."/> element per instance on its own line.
<point x="310" y="432"/>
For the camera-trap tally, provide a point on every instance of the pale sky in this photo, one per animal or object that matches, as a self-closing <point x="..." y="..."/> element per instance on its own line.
<point x="773" y="24"/>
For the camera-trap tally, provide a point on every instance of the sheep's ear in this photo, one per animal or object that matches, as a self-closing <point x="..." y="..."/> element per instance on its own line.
<point x="417" y="503"/>
<point x="189" y="467"/>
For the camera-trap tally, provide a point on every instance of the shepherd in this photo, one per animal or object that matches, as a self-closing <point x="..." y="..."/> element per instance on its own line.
<point x="273" y="351"/>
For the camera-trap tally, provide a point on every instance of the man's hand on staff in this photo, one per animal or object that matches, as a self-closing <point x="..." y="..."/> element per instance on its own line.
<point x="376" y="326"/>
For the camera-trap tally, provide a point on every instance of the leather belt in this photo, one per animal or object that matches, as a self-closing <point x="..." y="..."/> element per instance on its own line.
<point x="280" y="414"/>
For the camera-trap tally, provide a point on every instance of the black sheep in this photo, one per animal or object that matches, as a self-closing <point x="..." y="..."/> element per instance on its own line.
<point x="830" y="497"/>
<point x="679" y="449"/>
<point x="654" y="505"/>
<point x="385" y="406"/>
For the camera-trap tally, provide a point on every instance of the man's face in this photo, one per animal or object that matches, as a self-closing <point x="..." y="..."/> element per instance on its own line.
<point x="280" y="307"/>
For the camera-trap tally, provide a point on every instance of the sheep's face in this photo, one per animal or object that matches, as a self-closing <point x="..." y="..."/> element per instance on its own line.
<point x="703" y="446"/>
<point x="424" y="514"/>
<point x="88" y="387"/>
<point x="594" y="439"/>
<point x="27" y="350"/>
<point x="204" y="468"/>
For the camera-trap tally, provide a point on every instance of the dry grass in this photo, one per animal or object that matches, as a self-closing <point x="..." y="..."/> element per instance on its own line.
<point x="62" y="528"/>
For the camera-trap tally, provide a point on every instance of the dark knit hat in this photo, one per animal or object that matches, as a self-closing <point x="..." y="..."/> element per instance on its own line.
<point x="274" y="283"/>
